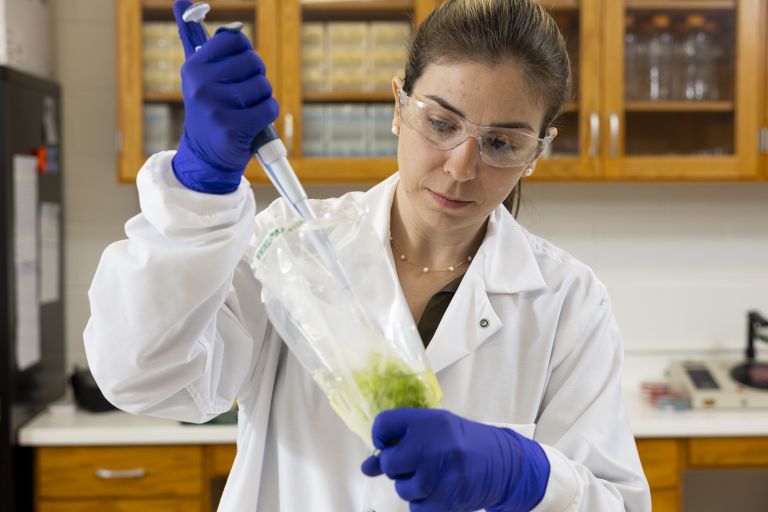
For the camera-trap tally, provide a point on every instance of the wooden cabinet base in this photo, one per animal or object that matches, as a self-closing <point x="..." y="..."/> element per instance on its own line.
<point x="169" y="505"/>
<point x="665" y="500"/>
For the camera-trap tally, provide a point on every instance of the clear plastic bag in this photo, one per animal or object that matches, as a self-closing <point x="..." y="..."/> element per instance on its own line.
<point x="356" y="338"/>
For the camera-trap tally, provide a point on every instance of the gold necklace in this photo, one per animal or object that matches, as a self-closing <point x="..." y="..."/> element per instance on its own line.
<point x="423" y="268"/>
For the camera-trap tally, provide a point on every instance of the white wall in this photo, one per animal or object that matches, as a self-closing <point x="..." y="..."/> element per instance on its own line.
<point x="683" y="262"/>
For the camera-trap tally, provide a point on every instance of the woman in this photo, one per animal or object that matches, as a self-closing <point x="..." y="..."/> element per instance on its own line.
<point x="520" y="334"/>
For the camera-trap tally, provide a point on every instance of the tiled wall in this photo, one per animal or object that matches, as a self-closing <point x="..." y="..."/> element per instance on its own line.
<point x="96" y="206"/>
<point x="682" y="262"/>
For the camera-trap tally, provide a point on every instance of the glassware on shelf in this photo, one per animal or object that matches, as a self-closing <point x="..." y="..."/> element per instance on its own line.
<point x="569" y="28"/>
<point x="162" y="57"/>
<point x="660" y="58"/>
<point x="637" y="70"/>
<point x="698" y="60"/>
<point x="348" y="130"/>
<point x="347" y="49"/>
<point x="352" y="57"/>
<point x="314" y="66"/>
<point x="158" y="128"/>
<point x="712" y="30"/>
<point x="680" y="30"/>
<point x="631" y="54"/>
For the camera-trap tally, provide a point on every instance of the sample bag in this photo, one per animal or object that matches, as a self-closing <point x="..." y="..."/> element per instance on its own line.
<point x="350" y="328"/>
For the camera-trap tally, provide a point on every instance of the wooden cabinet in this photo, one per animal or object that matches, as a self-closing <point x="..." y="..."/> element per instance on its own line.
<point x="671" y="133"/>
<point x="764" y="99"/>
<point x="715" y="452"/>
<point x="133" y="67"/>
<point x="612" y="130"/>
<point x="662" y="461"/>
<point x="296" y="98"/>
<point x="619" y="126"/>
<point x="665" y="461"/>
<point x="184" y="478"/>
<point x="131" y="478"/>
<point x="125" y="478"/>
<point x="219" y="460"/>
<point x="117" y="505"/>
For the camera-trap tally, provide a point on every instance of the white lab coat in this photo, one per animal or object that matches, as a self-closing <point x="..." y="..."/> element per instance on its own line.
<point x="178" y="330"/>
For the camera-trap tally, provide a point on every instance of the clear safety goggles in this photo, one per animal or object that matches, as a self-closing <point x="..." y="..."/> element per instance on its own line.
<point x="499" y="147"/>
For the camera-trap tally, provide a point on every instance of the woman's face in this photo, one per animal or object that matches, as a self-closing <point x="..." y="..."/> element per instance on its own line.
<point x="454" y="189"/>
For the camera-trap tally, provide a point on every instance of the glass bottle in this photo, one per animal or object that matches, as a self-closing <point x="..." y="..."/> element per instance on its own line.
<point x="698" y="61"/>
<point x="642" y="33"/>
<point x="660" y="50"/>
<point x="630" y="60"/>
<point x="715" y="56"/>
<point x="678" y="64"/>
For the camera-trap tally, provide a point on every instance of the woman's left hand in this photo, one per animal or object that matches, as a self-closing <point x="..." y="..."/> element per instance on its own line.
<point x="441" y="462"/>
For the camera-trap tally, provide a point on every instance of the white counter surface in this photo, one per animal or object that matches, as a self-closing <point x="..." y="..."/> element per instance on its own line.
<point x="61" y="426"/>
<point x="80" y="428"/>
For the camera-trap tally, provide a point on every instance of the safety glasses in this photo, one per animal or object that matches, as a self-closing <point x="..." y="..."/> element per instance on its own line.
<point x="499" y="147"/>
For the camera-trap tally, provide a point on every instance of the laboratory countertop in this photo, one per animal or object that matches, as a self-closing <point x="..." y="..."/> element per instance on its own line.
<point x="66" y="426"/>
<point x="62" y="426"/>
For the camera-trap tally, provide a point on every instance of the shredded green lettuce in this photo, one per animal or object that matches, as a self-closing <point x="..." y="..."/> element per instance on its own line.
<point x="389" y="384"/>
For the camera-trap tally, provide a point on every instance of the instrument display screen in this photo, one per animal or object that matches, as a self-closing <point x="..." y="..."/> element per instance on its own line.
<point x="702" y="378"/>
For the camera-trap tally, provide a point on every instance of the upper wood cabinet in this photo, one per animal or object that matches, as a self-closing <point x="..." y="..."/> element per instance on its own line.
<point x="336" y="98"/>
<point x="664" y="90"/>
<point x="682" y="89"/>
<point x="149" y="56"/>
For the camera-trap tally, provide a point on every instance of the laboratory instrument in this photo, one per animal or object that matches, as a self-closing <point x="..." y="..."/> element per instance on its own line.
<point x="723" y="383"/>
<point x="752" y="373"/>
<point x="708" y="384"/>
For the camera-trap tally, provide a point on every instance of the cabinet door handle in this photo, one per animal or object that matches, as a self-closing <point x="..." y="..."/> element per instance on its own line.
<point x="613" y="122"/>
<point x="288" y="124"/>
<point x="112" y="474"/>
<point x="594" y="134"/>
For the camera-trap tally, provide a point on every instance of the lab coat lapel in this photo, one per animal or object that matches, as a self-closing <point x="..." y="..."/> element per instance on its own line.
<point x="505" y="264"/>
<point x="467" y="323"/>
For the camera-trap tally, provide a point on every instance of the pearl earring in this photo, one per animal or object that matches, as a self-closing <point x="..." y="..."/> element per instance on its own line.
<point x="528" y="172"/>
<point x="395" y="131"/>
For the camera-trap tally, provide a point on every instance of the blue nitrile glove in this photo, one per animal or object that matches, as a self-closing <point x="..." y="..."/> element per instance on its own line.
<point x="227" y="101"/>
<point x="444" y="463"/>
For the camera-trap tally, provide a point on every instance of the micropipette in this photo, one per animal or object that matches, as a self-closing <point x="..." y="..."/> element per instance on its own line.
<point x="267" y="146"/>
<point x="270" y="152"/>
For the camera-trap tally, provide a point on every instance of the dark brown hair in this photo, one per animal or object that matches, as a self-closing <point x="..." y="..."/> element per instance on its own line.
<point x="492" y="31"/>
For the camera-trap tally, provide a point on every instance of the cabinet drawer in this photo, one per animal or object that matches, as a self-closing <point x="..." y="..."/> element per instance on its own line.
<point x="728" y="452"/>
<point x="126" y="471"/>
<point x="178" y="505"/>
<point x="661" y="461"/>
<point x="220" y="459"/>
<point x="665" y="500"/>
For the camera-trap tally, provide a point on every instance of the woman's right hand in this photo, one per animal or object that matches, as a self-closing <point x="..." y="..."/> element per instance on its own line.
<point x="227" y="102"/>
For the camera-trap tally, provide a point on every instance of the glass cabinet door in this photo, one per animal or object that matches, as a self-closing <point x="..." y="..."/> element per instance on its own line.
<point x="575" y="152"/>
<point x="337" y="105"/>
<point x="150" y="107"/>
<point x="681" y="89"/>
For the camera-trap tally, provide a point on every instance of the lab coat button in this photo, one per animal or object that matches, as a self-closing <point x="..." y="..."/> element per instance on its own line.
<point x="484" y="323"/>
